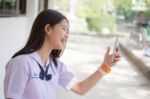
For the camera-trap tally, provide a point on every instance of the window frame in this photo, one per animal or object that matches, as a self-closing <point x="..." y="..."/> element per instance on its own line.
<point x="7" y="10"/>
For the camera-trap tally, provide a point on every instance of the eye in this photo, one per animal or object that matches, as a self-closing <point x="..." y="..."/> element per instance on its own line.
<point x="64" y="28"/>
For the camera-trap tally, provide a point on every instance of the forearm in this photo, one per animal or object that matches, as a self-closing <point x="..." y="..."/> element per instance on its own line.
<point x="89" y="82"/>
<point x="84" y="86"/>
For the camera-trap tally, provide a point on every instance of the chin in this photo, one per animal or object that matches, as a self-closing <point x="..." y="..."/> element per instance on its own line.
<point x="60" y="46"/>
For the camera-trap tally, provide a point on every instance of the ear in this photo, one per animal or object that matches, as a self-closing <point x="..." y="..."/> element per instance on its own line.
<point x="47" y="29"/>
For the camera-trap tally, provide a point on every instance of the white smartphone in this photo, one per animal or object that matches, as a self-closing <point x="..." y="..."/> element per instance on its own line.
<point x="114" y="50"/>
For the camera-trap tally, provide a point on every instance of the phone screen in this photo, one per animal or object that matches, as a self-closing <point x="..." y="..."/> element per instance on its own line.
<point x="114" y="50"/>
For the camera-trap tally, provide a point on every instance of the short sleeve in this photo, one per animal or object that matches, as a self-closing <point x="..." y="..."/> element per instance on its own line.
<point x="16" y="76"/>
<point x="66" y="78"/>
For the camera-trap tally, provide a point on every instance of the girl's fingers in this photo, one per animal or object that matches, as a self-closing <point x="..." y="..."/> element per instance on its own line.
<point x="108" y="51"/>
<point x="117" y="59"/>
<point x="108" y="58"/>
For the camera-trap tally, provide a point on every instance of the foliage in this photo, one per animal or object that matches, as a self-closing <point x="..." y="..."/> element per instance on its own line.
<point x="81" y="8"/>
<point x="92" y="11"/>
<point x="89" y="8"/>
<point x="97" y="24"/>
<point x="62" y="4"/>
<point x="148" y="30"/>
<point x="123" y="7"/>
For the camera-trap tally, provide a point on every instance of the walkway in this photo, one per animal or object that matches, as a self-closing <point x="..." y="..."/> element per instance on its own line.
<point x="83" y="55"/>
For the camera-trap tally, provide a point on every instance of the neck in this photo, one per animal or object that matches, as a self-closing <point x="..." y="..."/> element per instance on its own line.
<point x="44" y="53"/>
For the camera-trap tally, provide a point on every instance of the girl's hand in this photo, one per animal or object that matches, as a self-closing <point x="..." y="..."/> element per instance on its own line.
<point x="108" y="58"/>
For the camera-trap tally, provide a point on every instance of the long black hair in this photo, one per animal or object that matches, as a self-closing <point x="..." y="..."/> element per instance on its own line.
<point x="37" y="34"/>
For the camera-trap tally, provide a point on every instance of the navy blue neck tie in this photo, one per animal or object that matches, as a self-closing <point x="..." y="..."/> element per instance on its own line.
<point x="43" y="74"/>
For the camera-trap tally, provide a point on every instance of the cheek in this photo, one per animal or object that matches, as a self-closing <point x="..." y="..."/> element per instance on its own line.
<point x="56" y="39"/>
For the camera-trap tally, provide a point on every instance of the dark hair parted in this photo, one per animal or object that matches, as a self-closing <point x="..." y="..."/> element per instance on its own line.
<point x="37" y="35"/>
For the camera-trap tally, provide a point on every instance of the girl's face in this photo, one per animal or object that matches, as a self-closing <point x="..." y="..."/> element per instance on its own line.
<point x="59" y="34"/>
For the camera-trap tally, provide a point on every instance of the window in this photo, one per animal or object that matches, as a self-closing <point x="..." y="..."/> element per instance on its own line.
<point x="43" y="4"/>
<point x="12" y="7"/>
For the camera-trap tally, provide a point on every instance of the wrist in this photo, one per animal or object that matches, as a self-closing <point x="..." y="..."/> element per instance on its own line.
<point x="103" y="69"/>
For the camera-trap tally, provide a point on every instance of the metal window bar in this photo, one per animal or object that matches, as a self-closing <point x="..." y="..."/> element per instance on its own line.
<point x="17" y="6"/>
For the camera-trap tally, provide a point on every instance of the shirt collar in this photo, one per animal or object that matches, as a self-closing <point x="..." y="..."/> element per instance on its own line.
<point x="37" y="58"/>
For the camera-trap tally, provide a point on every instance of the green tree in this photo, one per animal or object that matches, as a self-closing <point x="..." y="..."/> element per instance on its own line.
<point x="92" y="11"/>
<point x="147" y="13"/>
<point x="89" y="8"/>
<point x="124" y="7"/>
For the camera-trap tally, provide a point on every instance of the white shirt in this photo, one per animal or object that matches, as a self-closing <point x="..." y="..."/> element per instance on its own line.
<point x="22" y="78"/>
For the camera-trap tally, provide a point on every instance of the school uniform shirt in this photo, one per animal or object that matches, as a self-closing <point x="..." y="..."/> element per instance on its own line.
<point x="22" y="78"/>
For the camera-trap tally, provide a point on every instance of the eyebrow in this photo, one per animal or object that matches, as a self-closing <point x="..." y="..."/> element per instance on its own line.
<point x="63" y="25"/>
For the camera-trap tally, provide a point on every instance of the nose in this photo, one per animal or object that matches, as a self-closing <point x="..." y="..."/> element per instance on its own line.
<point x="67" y="35"/>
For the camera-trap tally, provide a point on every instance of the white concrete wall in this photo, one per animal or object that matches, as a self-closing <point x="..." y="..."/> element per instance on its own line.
<point x="12" y="37"/>
<point x="31" y="13"/>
